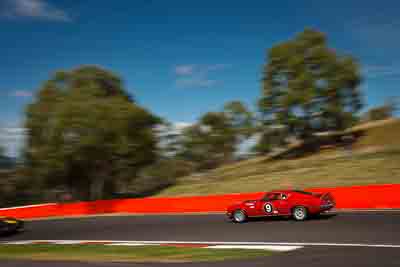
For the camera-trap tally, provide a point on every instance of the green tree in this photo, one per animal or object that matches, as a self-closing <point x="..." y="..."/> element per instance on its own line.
<point x="2" y="151"/>
<point x="160" y="175"/>
<point x="309" y="87"/>
<point x="214" y="139"/>
<point x="2" y="148"/>
<point x="3" y="159"/>
<point x="210" y="142"/>
<point x="6" y="162"/>
<point x="220" y="135"/>
<point x="86" y="132"/>
<point x="383" y="112"/>
<point x="240" y="118"/>
<point x="270" y="138"/>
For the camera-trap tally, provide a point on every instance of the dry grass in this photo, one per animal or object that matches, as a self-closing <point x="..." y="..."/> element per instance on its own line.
<point x="375" y="160"/>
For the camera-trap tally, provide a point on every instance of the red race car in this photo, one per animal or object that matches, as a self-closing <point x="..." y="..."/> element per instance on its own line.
<point x="289" y="203"/>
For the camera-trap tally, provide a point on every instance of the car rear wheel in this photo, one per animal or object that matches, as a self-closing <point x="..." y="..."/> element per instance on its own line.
<point x="300" y="213"/>
<point x="239" y="216"/>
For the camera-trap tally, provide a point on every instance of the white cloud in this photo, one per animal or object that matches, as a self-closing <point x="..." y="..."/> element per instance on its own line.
<point x="181" y="125"/>
<point x="173" y="128"/>
<point x="171" y="133"/>
<point x="178" y="127"/>
<point x="247" y="145"/>
<point x="12" y="139"/>
<point x="192" y="75"/>
<point x="38" y="9"/>
<point x="22" y="93"/>
<point x="13" y="131"/>
<point x="184" y="70"/>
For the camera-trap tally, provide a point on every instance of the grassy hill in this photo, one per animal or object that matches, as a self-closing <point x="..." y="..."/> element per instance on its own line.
<point x="375" y="159"/>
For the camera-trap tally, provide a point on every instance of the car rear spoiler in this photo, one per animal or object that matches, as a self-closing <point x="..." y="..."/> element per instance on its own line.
<point x="324" y="196"/>
<point x="327" y="196"/>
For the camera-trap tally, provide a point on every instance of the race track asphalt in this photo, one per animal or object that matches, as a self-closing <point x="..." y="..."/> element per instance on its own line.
<point x="361" y="228"/>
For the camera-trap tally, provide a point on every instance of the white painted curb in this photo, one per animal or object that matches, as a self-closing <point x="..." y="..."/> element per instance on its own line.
<point x="246" y="245"/>
<point x="262" y="247"/>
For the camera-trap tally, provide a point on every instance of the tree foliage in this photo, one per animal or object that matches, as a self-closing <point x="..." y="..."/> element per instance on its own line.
<point x="2" y="152"/>
<point x="240" y="118"/>
<point x="215" y="138"/>
<point x="85" y="131"/>
<point x="383" y="112"/>
<point x="210" y="142"/>
<point x="308" y="86"/>
<point x="271" y="138"/>
<point x="160" y="175"/>
<point x="6" y="162"/>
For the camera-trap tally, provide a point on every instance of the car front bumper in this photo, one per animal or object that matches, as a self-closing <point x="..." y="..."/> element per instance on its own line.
<point x="12" y="226"/>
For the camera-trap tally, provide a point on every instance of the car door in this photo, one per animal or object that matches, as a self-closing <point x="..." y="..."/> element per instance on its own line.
<point x="251" y="208"/>
<point x="282" y="204"/>
<point x="273" y="204"/>
<point x="269" y="205"/>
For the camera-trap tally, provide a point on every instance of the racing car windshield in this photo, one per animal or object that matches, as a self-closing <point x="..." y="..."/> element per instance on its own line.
<point x="271" y="196"/>
<point x="303" y="192"/>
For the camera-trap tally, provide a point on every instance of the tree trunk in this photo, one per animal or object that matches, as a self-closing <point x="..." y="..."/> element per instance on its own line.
<point x="97" y="187"/>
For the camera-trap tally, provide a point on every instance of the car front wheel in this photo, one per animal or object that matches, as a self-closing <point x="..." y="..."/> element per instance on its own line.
<point x="239" y="216"/>
<point x="300" y="213"/>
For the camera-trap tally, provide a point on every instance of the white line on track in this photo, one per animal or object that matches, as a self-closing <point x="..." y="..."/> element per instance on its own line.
<point x="300" y="244"/>
<point x="263" y="247"/>
<point x="128" y="244"/>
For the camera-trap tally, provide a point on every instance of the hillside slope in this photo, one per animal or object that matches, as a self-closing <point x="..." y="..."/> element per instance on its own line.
<point x="375" y="159"/>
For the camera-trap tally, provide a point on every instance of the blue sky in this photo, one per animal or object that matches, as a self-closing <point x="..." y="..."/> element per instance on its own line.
<point x="183" y="58"/>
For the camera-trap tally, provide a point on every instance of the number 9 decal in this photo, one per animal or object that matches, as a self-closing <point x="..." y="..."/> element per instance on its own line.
<point x="268" y="207"/>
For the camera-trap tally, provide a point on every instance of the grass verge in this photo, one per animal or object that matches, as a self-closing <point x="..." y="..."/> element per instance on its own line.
<point x="374" y="159"/>
<point x="101" y="253"/>
<point x="330" y="170"/>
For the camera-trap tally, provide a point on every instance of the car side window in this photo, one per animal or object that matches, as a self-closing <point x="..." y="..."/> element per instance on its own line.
<point x="272" y="197"/>
<point x="266" y="197"/>
<point x="275" y="196"/>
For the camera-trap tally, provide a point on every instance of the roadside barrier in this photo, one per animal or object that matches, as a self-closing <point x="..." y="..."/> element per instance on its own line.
<point x="365" y="197"/>
<point x="353" y="197"/>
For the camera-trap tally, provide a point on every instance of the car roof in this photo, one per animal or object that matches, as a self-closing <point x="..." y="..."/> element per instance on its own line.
<point x="280" y="191"/>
